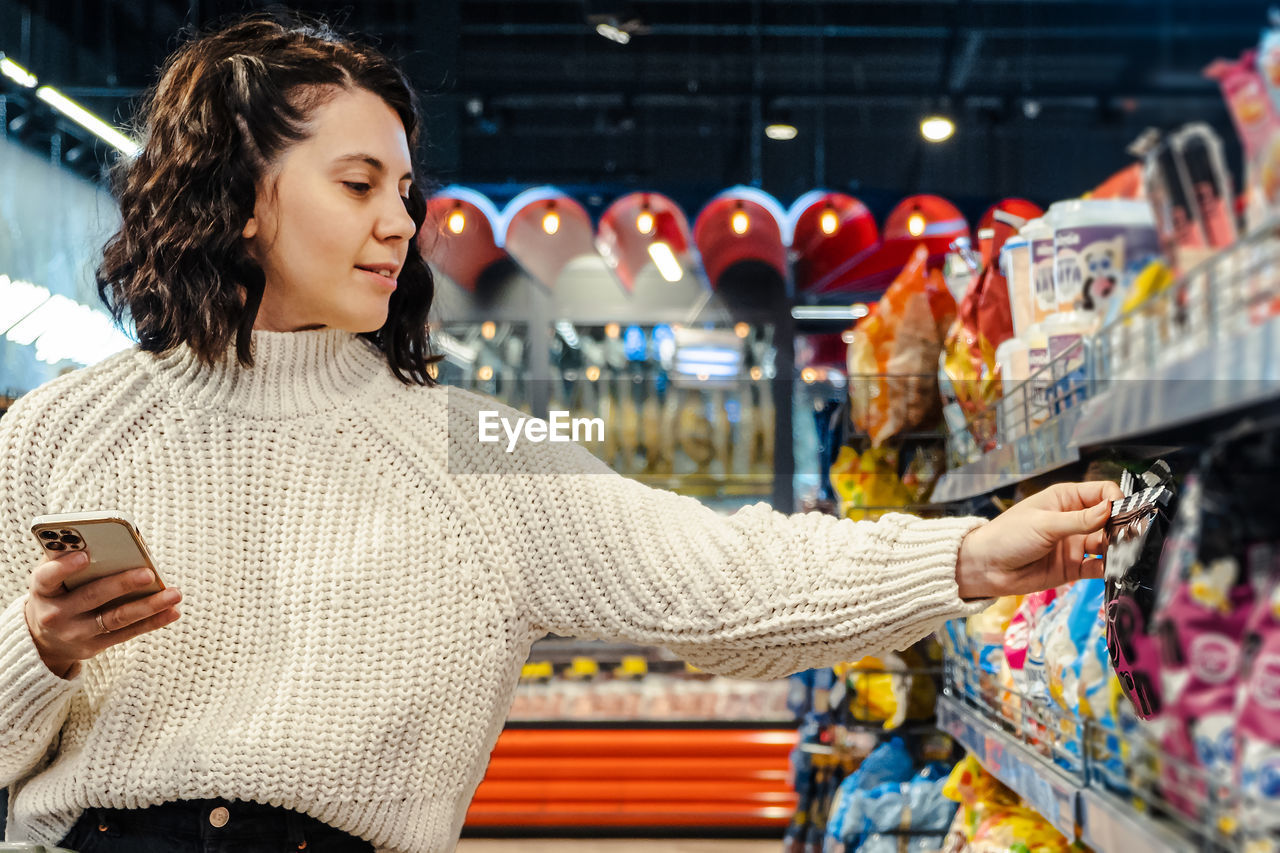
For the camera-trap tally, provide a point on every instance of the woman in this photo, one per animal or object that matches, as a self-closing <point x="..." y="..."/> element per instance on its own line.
<point x="362" y="578"/>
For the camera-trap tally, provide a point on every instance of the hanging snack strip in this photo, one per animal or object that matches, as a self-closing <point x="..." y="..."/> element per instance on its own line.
<point x="1135" y="537"/>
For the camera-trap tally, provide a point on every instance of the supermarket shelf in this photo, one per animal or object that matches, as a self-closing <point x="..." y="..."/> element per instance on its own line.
<point x="1232" y="374"/>
<point x="1106" y="824"/>
<point x="1046" y="788"/>
<point x="1207" y="349"/>
<point x="1045" y="449"/>
<point x="1076" y="810"/>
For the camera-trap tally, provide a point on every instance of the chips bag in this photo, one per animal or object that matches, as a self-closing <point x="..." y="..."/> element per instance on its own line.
<point x="1135" y="536"/>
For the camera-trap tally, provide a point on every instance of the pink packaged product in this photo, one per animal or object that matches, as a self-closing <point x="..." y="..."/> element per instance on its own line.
<point x="1257" y="123"/>
<point x="1203" y="603"/>
<point x="1257" y="714"/>
<point x="1025" y="620"/>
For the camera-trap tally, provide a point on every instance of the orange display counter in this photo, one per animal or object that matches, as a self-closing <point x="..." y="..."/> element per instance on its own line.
<point x="643" y="778"/>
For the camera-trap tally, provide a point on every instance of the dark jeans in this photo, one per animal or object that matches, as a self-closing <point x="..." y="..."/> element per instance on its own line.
<point x="191" y="826"/>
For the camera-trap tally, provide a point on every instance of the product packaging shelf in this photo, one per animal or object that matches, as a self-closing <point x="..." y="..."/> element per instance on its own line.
<point x="1196" y="354"/>
<point x="1233" y="374"/>
<point x="1077" y="810"/>
<point x="1045" y="449"/>
<point x="1046" y="788"/>
<point x="1106" y="824"/>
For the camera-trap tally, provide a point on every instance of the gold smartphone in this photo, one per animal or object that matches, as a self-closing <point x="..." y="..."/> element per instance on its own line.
<point x="111" y="541"/>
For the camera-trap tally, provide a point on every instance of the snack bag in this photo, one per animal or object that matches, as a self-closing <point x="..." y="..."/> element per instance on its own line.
<point x="969" y="363"/>
<point x="987" y="630"/>
<point x="1035" y="676"/>
<point x="979" y="794"/>
<point x="1018" y="831"/>
<point x="919" y="309"/>
<point x="916" y="807"/>
<point x="1258" y="721"/>
<point x="1135" y="535"/>
<point x="1066" y="645"/>
<point x="1099" y="691"/>
<point x="881" y="689"/>
<point x="1258" y="125"/>
<point x="1065" y="650"/>
<point x="1204" y="603"/>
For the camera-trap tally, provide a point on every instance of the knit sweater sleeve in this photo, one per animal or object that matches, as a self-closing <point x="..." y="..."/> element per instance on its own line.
<point x="758" y="594"/>
<point x="33" y="700"/>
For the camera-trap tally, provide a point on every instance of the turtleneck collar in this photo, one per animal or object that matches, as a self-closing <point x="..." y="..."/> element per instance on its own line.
<point x="294" y="374"/>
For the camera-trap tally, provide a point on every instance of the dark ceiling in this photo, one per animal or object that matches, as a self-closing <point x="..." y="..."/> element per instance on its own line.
<point x="1046" y="93"/>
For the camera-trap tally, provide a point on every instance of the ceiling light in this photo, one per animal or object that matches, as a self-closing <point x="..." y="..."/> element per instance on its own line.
<point x="756" y="373"/>
<point x="60" y="329"/>
<point x="809" y="375"/>
<point x="612" y="33"/>
<point x="88" y="120"/>
<point x="612" y="331"/>
<point x="781" y="132"/>
<point x="740" y="222"/>
<point x="551" y="220"/>
<point x="937" y="128"/>
<point x="644" y="222"/>
<point x="829" y="221"/>
<point x="17" y="73"/>
<point x="916" y="223"/>
<point x="742" y="330"/>
<point x="485" y="373"/>
<point x="829" y="312"/>
<point x="488" y="330"/>
<point x="457" y="220"/>
<point x="593" y="373"/>
<point x="665" y="259"/>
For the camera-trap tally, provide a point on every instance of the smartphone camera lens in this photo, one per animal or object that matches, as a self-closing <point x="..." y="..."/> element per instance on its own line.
<point x="48" y="534"/>
<point x="56" y="546"/>
<point x="70" y="538"/>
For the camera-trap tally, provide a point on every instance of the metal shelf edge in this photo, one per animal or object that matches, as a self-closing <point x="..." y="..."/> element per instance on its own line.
<point x="1106" y="824"/>
<point x="1097" y="817"/>
<point x="1044" y="787"/>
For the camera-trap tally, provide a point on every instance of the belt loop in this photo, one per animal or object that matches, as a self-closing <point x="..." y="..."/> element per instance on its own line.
<point x="296" y="822"/>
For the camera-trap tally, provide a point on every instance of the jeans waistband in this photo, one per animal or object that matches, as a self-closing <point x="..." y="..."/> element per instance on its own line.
<point x="191" y="818"/>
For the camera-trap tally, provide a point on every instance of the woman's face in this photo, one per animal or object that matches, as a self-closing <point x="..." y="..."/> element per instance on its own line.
<point x="329" y="226"/>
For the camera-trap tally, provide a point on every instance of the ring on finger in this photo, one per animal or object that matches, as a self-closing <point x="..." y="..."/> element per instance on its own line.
<point x="102" y="629"/>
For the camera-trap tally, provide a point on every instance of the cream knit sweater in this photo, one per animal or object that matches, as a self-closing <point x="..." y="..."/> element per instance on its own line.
<point x="363" y="581"/>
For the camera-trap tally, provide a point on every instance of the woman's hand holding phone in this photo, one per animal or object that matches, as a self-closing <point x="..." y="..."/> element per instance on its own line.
<point x="69" y="626"/>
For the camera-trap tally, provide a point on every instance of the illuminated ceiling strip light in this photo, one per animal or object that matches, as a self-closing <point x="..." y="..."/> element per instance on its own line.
<point x="61" y="329"/>
<point x="693" y="368"/>
<point x="709" y="354"/>
<point x="88" y="120"/>
<point x="828" y="312"/>
<point x="17" y="73"/>
<point x="20" y="299"/>
<point x="612" y="33"/>
<point x="666" y="261"/>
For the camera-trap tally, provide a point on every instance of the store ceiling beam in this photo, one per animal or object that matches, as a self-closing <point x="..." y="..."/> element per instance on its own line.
<point x="962" y="67"/>
<point x="1104" y="31"/>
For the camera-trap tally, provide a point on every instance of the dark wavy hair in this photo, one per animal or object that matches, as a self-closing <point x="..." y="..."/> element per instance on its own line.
<point x="226" y="106"/>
